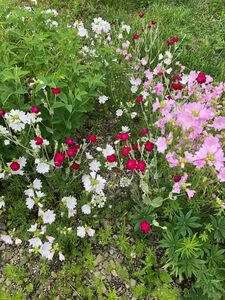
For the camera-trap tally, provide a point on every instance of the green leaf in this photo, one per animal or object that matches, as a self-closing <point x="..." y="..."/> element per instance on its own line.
<point x="58" y="105"/>
<point x="157" y="202"/>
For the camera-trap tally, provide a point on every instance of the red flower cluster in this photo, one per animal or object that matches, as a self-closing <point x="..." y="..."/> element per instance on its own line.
<point x="59" y="159"/>
<point x="123" y="136"/>
<point x="173" y="40"/>
<point x="177" y="86"/>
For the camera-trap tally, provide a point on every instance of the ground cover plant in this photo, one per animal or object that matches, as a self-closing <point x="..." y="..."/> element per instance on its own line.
<point x="112" y="154"/>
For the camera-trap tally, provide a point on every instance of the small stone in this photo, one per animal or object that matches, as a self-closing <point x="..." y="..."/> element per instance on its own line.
<point x="133" y="282"/>
<point x="99" y="259"/>
<point x="114" y="273"/>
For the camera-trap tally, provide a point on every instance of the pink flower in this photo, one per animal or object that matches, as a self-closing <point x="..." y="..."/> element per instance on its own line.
<point x="219" y="123"/>
<point x="221" y="175"/>
<point x="190" y="193"/>
<point x="158" y="89"/>
<point x="161" y="144"/>
<point x="172" y="159"/>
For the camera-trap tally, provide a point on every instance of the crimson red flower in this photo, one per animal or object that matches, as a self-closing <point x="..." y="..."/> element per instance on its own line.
<point x="126" y="151"/>
<point x="56" y="91"/>
<point x="92" y="138"/>
<point x="75" y="166"/>
<point x="145" y="131"/>
<point x="136" y="147"/>
<point x="145" y="227"/>
<point x="149" y="146"/>
<point x="139" y="99"/>
<point x="76" y="147"/>
<point x="141" y="15"/>
<point x="177" y="86"/>
<point x="69" y="141"/>
<point x="142" y="29"/>
<point x="160" y="73"/>
<point x="149" y="26"/>
<point x="38" y="140"/>
<point x="59" y="159"/>
<point x="175" y="39"/>
<point x="177" y="77"/>
<point x="141" y="166"/>
<point x="123" y="136"/>
<point x="111" y="158"/>
<point x="70" y="152"/>
<point x="2" y="112"/>
<point x="176" y="178"/>
<point x="136" y="36"/>
<point x="14" y="166"/>
<point x="35" y="109"/>
<point x="131" y="165"/>
<point x="154" y="22"/>
<point x="201" y="78"/>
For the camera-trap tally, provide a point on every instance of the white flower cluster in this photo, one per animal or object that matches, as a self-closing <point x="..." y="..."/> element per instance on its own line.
<point x="70" y="202"/>
<point x="17" y="119"/>
<point x="82" y="31"/>
<point x="100" y="26"/>
<point x="34" y="194"/>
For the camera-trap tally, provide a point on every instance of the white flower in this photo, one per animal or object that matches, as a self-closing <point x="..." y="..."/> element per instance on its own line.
<point x="144" y="61"/>
<point x="3" y="130"/>
<point x="119" y="112"/>
<point x="7" y="239"/>
<point x="16" y="119"/>
<point x="125" y="129"/>
<point x="167" y="61"/>
<point x="135" y="81"/>
<point x="109" y="150"/>
<point x="126" y="44"/>
<point x="124" y="182"/>
<point x="91" y="232"/>
<point x="2" y="203"/>
<point x="169" y="54"/>
<point x="40" y="194"/>
<point x="88" y="155"/>
<point x="33" y="228"/>
<point x="126" y="28"/>
<point x="45" y="250"/>
<point x="35" y="242"/>
<point x="37" y="184"/>
<point x="35" y="146"/>
<point x="86" y="209"/>
<point x="22" y="162"/>
<point x="133" y="115"/>
<point x="145" y="94"/>
<point x="17" y="241"/>
<point x="100" y="26"/>
<point x="30" y="203"/>
<point x="51" y="11"/>
<point x="61" y="256"/>
<point x="98" y="200"/>
<point x="29" y="193"/>
<point x="6" y="142"/>
<point x="81" y="231"/>
<point x="82" y="32"/>
<point x="103" y="99"/>
<point x="93" y="183"/>
<point x="41" y="166"/>
<point x="95" y="166"/>
<point x="120" y="36"/>
<point x="70" y="203"/>
<point x="48" y="216"/>
<point x="168" y="71"/>
<point x="134" y="89"/>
